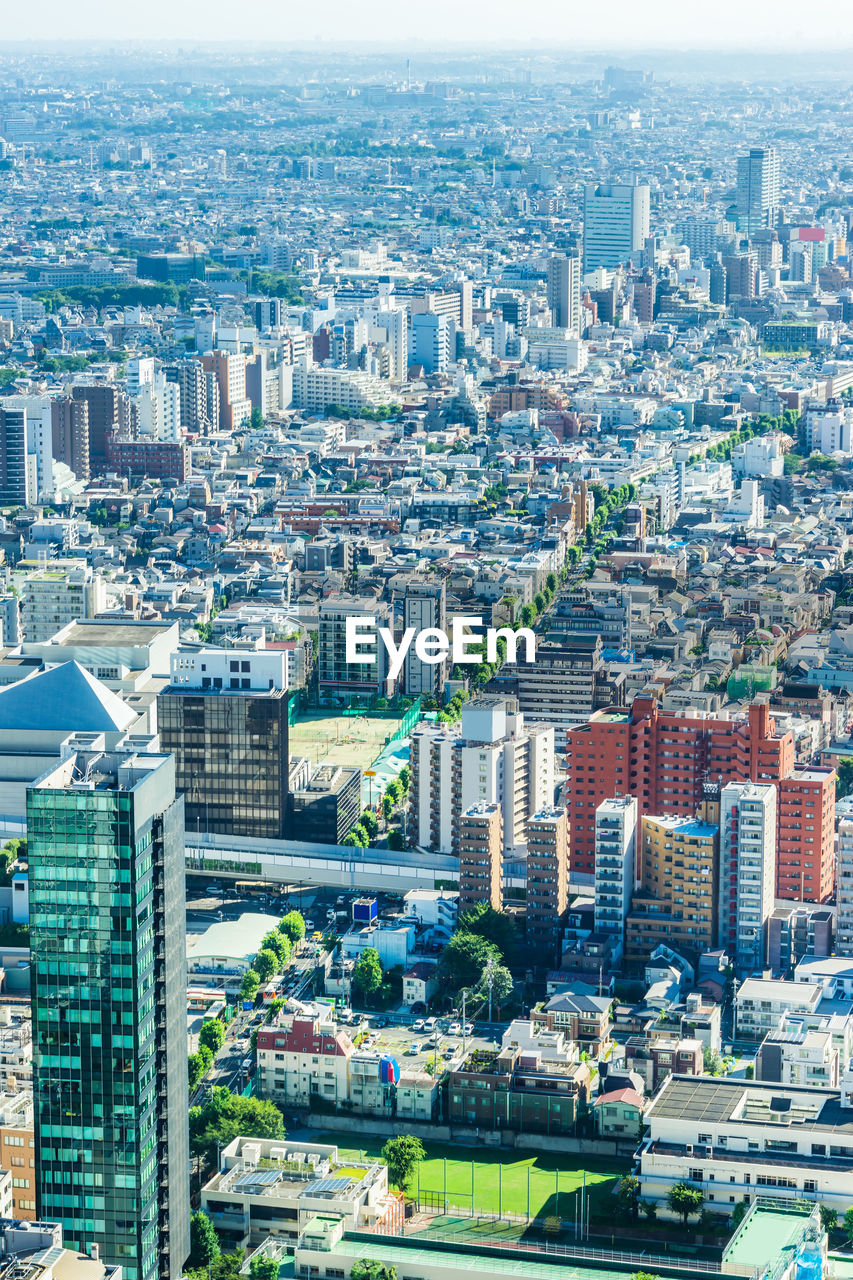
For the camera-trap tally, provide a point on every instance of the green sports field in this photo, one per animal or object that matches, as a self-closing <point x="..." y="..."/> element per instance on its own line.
<point x="500" y="1178"/>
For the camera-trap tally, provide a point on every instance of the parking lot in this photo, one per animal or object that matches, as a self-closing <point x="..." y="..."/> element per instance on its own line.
<point x="432" y="1048"/>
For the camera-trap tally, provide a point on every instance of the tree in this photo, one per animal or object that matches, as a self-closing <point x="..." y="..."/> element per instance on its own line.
<point x="494" y="926"/>
<point x="266" y="965"/>
<point x="828" y="1218"/>
<point x="370" y="1269"/>
<point x="464" y="959"/>
<point x="249" y="985"/>
<point x="739" y="1213"/>
<point x="501" y="984"/>
<point x="685" y="1200"/>
<point x="405" y="777"/>
<point x="225" y="1116"/>
<point x="206" y="1056"/>
<point x="264" y="1267"/>
<point x="847" y="1225"/>
<point x="712" y="1062"/>
<point x="628" y="1197"/>
<point x="402" y="1156"/>
<point x="649" y="1210"/>
<point x="277" y="942"/>
<point x="367" y="974"/>
<point x="370" y="822"/>
<point x="212" y="1034"/>
<point x="195" y="1071"/>
<point x="204" y="1243"/>
<point x="293" y="926"/>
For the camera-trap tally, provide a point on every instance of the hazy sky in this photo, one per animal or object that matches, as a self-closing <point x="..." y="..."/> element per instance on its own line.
<point x="611" y="24"/>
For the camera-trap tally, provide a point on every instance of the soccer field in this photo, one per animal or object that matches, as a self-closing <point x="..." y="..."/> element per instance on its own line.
<point x="497" y="1181"/>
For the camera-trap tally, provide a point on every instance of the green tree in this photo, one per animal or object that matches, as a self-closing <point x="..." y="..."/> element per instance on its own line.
<point x="739" y="1213"/>
<point x="628" y="1197"/>
<point x="204" y="1243"/>
<point x="367" y="974"/>
<point x="212" y="1034"/>
<point x="264" y="1267"/>
<point x="250" y="984"/>
<point x="195" y="1071"/>
<point x="684" y="1200"/>
<point x="847" y="1225"/>
<point x="224" y="1116"/>
<point x="464" y="958"/>
<point x="501" y="985"/>
<point x="405" y="776"/>
<point x="370" y="822"/>
<point x="293" y="926"/>
<point x="828" y="1218"/>
<point x="266" y="964"/>
<point x="712" y="1062"/>
<point x="402" y="1156"/>
<point x="206" y="1056"/>
<point x="280" y="944"/>
<point x="370" y="1269"/>
<point x="494" y="926"/>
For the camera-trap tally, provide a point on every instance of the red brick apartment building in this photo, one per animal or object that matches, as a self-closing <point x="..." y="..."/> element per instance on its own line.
<point x="663" y="758"/>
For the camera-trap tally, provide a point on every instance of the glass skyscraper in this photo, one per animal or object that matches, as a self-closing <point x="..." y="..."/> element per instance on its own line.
<point x="107" y="939"/>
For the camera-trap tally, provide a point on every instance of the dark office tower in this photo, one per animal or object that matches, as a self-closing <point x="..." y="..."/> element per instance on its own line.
<point x="224" y="717"/>
<point x="267" y="313"/>
<point x="70" y="432"/>
<point x="16" y="482"/>
<point x="564" y="292"/>
<point x="109" y="409"/>
<point x="718" y="284"/>
<point x="107" y="953"/>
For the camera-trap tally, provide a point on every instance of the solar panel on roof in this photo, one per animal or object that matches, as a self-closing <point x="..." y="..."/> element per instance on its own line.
<point x="332" y="1186"/>
<point x="259" y="1178"/>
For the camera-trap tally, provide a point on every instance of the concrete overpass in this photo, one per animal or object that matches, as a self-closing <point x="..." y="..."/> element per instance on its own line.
<point x="337" y="866"/>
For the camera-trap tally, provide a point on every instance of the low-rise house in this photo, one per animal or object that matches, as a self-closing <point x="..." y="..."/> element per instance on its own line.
<point x="584" y="1019"/>
<point x="619" y="1114"/>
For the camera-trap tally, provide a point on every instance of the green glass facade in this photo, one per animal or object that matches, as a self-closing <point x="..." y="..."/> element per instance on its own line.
<point x="106" y="1010"/>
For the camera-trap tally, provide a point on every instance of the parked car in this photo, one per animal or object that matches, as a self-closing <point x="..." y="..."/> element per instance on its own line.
<point x="430" y="1024"/>
<point x="419" y="1025"/>
<point x="468" y="1029"/>
<point x="414" y="1048"/>
<point x="455" y="1029"/>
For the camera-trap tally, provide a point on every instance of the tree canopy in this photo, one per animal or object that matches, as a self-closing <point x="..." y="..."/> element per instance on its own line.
<point x="224" y="1116"/>
<point x="402" y="1156"/>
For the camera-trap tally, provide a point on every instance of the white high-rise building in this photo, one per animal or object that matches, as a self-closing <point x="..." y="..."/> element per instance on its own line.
<point x="423" y="607"/>
<point x="431" y="341"/>
<point x="39" y="442"/>
<point x="494" y="758"/>
<point x="844" y="888"/>
<point x="758" y="189"/>
<point x="615" y="864"/>
<point x="392" y="324"/>
<point x="747" y="871"/>
<point x="158" y="409"/>
<point x="615" y="224"/>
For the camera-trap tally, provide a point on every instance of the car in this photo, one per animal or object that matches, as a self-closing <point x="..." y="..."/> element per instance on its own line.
<point x="455" y="1029"/>
<point x="451" y="1050"/>
<point x="419" y="1025"/>
<point x="430" y="1024"/>
<point x="468" y="1029"/>
<point x="309" y="925"/>
<point x="247" y="1062"/>
<point x="413" y="1049"/>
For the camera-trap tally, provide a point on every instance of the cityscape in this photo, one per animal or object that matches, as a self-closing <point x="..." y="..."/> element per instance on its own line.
<point x="426" y="652"/>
